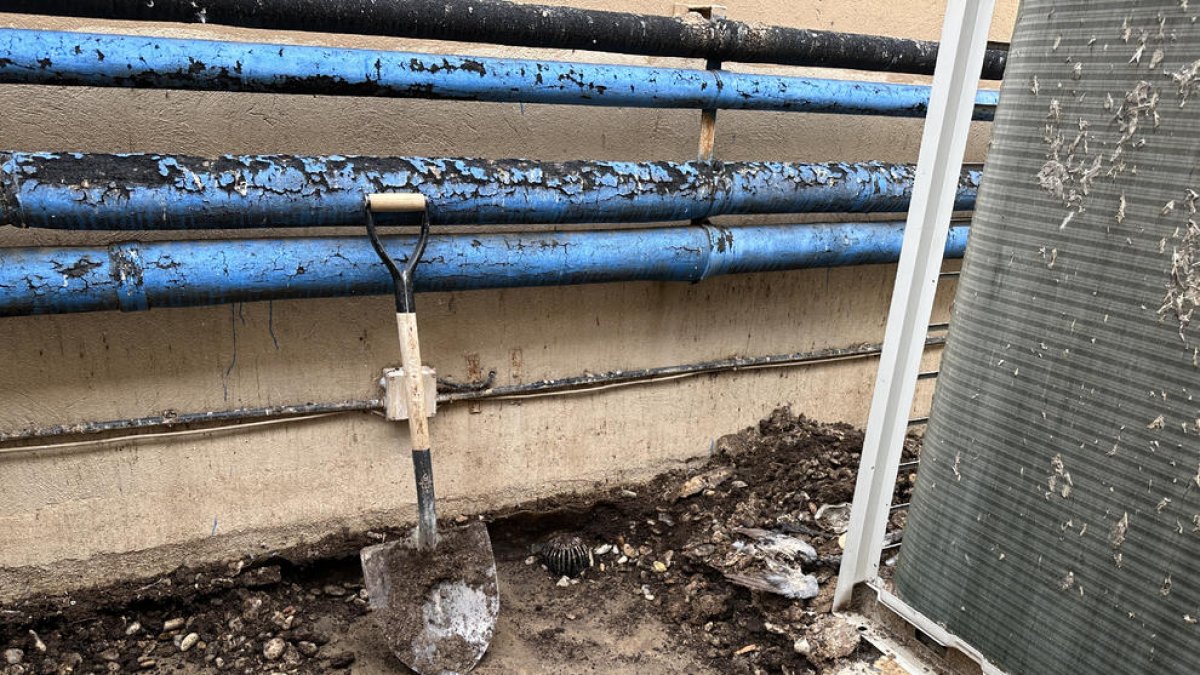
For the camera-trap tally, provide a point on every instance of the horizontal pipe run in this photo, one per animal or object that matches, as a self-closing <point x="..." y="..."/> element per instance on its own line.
<point x="146" y="192"/>
<point x="564" y="385"/>
<point x="141" y="276"/>
<point x="100" y="60"/>
<point x="528" y="25"/>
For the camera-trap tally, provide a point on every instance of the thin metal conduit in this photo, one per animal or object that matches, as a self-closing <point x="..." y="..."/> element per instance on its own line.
<point x="576" y="384"/>
<point x="103" y="60"/>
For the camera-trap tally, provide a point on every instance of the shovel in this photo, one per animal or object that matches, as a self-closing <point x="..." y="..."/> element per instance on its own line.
<point x="434" y="594"/>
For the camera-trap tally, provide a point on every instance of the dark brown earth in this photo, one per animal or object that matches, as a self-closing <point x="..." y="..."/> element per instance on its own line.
<point x="657" y="601"/>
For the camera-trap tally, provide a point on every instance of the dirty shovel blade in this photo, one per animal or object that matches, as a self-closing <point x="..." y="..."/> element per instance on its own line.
<point x="437" y="608"/>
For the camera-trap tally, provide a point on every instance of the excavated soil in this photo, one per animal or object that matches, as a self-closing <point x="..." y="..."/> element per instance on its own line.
<point x="667" y="594"/>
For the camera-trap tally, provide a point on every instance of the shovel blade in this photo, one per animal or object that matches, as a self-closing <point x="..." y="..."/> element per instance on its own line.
<point x="437" y="608"/>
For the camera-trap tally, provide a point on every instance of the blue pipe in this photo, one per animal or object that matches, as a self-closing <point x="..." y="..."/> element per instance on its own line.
<point x="141" y="192"/>
<point x="140" y="276"/>
<point x="58" y="58"/>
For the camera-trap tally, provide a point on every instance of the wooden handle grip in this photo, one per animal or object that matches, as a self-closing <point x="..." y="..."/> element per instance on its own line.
<point x="414" y="387"/>
<point x="396" y="202"/>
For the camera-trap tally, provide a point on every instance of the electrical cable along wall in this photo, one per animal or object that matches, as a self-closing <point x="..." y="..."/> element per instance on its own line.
<point x="1054" y="526"/>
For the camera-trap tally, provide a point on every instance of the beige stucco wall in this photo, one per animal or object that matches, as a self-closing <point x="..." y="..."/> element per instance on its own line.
<point x="139" y="507"/>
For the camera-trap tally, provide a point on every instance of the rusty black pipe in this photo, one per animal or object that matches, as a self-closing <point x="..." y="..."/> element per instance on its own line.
<point x="501" y="22"/>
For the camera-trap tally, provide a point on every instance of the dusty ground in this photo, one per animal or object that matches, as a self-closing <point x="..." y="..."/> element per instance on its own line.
<point x="658" y="599"/>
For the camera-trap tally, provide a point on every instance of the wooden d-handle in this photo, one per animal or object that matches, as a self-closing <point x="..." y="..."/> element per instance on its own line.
<point x="396" y="202"/>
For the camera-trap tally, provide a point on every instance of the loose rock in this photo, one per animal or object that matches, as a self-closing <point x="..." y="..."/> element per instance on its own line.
<point x="831" y="638"/>
<point x="173" y="624"/>
<point x="307" y="648"/>
<point x="188" y="641"/>
<point x="705" y="481"/>
<point x="834" y="517"/>
<point x="13" y="656"/>
<point x="274" y="648"/>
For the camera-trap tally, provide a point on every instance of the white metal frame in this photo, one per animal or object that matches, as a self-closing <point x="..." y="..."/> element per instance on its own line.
<point x="951" y="103"/>
<point x="934" y="630"/>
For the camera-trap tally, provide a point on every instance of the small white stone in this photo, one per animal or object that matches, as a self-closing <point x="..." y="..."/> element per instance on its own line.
<point x="622" y="560"/>
<point x="274" y="648"/>
<point x="133" y="628"/>
<point x="188" y="641"/>
<point x="604" y="549"/>
<point x="172" y="624"/>
<point x="564" y="582"/>
<point x="13" y="656"/>
<point x="530" y="560"/>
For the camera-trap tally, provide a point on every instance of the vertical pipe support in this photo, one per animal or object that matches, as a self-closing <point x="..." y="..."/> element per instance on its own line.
<point x="943" y="146"/>
<point x="708" y="120"/>
<point x="708" y="116"/>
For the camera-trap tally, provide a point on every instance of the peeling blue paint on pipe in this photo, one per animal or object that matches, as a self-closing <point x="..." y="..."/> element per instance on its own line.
<point x="99" y="60"/>
<point x="141" y="276"/>
<point x="143" y="192"/>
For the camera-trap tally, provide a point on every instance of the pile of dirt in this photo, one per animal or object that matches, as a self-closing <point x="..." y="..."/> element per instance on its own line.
<point x="691" y="572"/>
<point x="679" y="539"/>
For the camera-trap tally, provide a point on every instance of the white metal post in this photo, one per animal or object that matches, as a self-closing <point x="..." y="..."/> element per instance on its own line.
<point x="951" y="102"/>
